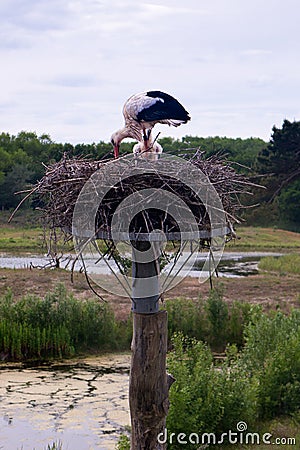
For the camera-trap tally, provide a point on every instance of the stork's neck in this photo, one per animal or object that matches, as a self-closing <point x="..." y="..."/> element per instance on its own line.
<point x="129" y="131"/>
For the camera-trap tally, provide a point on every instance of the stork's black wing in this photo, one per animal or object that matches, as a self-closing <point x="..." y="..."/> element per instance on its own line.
<point x="165" y="108"/>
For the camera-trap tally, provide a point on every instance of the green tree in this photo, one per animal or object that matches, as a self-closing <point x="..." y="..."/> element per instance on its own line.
<point x="14" y="181"/>
<point x="289" y="202"/>
<point x="281" y="158"/>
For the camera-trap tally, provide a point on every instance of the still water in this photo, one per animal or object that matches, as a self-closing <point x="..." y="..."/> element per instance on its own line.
<point x="83" y="404"/>
<point x="231" y="265"/>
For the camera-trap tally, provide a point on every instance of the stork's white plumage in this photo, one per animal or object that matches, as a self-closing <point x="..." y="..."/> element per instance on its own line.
<point x="142" y="111"/>
<point x="148" y="150"/>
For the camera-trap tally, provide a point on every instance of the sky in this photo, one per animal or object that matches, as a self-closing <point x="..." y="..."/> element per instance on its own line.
<point x="68" y="66"/>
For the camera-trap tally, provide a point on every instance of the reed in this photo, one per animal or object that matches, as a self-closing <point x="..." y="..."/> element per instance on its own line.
<point x="58" y="325"/>
<point x="282" y="265"/>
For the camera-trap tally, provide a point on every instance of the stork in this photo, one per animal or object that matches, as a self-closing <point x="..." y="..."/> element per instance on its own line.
<point x="142" y="111"/>
<point x="149" y="150"/>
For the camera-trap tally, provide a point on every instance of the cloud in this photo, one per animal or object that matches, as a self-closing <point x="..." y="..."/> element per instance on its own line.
<point x="253" y="52"/>
<point x="73" y="80"/>
<point x="32" y="15"/>
<point x="68" y="66"/>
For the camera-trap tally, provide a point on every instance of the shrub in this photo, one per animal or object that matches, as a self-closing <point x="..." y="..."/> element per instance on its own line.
<point x="217" y="314"/>
<point x="272" y="355"/>
<point x="212" y="321"/>
<point x="57" y="325"/>
<point x="187" y="316"/>
<point x="206" y="399"/>
<point x="260" y="382"/>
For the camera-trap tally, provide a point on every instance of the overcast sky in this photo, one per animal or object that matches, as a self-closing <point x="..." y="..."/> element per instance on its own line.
<point x="67" y="66"/>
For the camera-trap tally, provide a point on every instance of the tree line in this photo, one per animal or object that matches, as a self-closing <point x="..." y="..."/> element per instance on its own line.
<point x="274" y="164"/>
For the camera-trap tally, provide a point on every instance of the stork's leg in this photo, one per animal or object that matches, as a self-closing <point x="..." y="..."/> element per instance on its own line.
<point x="146" y="139"/>
<point x="150" y="143"/>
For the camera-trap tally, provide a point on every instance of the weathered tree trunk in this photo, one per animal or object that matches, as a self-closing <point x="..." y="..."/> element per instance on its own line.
<point x="149" y="382"/>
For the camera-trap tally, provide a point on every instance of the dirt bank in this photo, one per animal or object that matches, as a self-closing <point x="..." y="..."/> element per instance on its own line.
<point x="272" y="291"/>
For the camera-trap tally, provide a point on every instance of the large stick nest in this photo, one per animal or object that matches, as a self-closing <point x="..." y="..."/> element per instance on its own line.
<point x="60" y="187"/>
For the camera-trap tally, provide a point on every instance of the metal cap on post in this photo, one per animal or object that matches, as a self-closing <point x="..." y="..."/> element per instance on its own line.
<point x="147" y="305"/>
<point x="145" y="278"/>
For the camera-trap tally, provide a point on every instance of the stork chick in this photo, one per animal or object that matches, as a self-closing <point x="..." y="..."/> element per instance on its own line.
<point x="149" y="150"/>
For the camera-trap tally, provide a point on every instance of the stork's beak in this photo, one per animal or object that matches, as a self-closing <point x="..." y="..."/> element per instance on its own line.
<point x="116" y="151"/>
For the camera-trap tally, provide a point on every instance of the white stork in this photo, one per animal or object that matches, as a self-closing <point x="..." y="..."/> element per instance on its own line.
<point x="142" y="111"/>
<point x="148" y="149"/>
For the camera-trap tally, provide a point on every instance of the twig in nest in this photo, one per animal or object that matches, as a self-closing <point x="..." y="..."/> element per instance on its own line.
<point x="59" y="189"/>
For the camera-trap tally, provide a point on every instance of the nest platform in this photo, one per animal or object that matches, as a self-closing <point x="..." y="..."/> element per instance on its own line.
<point x="58" y="192"/>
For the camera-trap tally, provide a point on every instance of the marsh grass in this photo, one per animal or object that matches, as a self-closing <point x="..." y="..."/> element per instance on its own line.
<point x="57" y="325"/>
<point x="259" y="238"/>
<point x="60" y="325"/>
<point x="20" y="239"/>
<point x="283" y="264"/>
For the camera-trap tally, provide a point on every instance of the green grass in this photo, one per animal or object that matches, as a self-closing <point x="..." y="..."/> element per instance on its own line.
<point x="259" y="239"/>
<point x="286" y="264"/>
<point x="23" y="234"/>
<point x="211" y="320"/>
<point x="19" y="239"/>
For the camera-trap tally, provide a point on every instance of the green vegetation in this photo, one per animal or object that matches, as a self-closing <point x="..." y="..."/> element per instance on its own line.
<point x="261" y="239"/>
<point x="212" y="320"/>
<point x="22" y="158"/>
<point x="261" y="382"/>
<point x="283" y="264"/>
<point x="24" y="234"/>
<point x="258" y="381"/>
<point x="57" y="326"/>
<point x="280" y="159"/>
<point x="259" y="385"/>
<point x="20" y="239"/>
<point x="241" y="151"/>
<point x="123" y="443"/>
<point x="271" y="357"/>
<point x="205" y="399"/>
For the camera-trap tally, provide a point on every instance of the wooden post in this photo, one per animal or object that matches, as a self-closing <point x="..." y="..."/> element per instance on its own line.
<point x="149" y="383"/>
